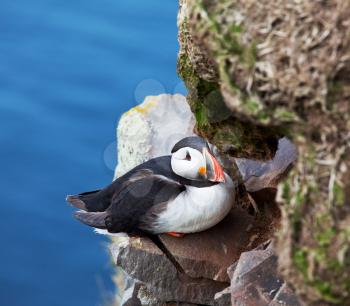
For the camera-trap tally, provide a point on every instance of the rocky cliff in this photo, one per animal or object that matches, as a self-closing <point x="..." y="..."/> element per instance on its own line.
<point x="216" y="265"/>
<point x="256" y="72"/>
<point x="282" y="68"/>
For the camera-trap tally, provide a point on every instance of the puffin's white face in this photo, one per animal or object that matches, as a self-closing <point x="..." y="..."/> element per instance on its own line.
<point x="188" y="163"/>
<point x="195" y="165"/>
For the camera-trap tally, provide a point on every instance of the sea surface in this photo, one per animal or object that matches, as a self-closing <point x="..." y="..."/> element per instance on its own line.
<point x="68" y="70"/>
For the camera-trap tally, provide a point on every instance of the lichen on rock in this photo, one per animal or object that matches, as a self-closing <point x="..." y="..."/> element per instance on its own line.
<point x="150" y="129"/>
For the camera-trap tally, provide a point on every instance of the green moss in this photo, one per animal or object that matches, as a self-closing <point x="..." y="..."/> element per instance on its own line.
<point x="250" y="55"/>
<point x="319" y="255"/>
<point x="284" y="115"/>
<point x="299" y="198"/>
<point x="205" y="88"/>
<point x="226" y="42"/>
<point x="264" y="118"/>
<point x="339" y="195"/>
<point x="295" y="204"/>
<point x="201" y="116"/>
<point x="334" y="264"/>
<point x="252" y="106"/>
<point x="229" y="44"/>
<point x="222" y="132"/>
<point x="199" y="89"/>
<point x="300" y="261"/>
<point x="325" y="238"/>
<point x="186" y="70"/>
<point x="325" y="289"/>
<point x="236" y="28"/>
<point x="286" y="191"/>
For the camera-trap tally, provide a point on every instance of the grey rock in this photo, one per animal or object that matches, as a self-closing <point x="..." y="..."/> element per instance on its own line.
<point x="151" y="129"/>
<point x="178" y="304"/>
<point x="255" y="281"/>
<point x="223" y="298"/>
<point x="258" y="175"/>
<point x="147" y="299"/>
<point x="285" y="297"/>
<point x="130" y="296"/>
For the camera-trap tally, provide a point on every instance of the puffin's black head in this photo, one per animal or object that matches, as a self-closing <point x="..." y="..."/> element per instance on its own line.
<point x="192" y="159"/>
<point x="194" y="142"/>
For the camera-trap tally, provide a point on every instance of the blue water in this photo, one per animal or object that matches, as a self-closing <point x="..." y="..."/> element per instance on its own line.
<point x="68" y="69"/>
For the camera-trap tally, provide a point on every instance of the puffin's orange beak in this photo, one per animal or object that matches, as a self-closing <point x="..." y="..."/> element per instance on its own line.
<point x="214" y="171"/>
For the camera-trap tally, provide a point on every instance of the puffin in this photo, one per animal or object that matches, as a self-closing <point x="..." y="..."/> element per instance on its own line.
<point x="185" y="192"/>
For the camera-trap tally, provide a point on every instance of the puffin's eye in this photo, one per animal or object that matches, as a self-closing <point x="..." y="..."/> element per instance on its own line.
<point x="188" y="156"/>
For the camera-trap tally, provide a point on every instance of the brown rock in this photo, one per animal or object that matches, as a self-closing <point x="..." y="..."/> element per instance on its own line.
<point x="140" y="259"/>
<point x="208" y="254"/>
<point x="203" y="256"/>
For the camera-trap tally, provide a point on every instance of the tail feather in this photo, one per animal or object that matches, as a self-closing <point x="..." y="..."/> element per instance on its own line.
<point x="76" y="202"/>
<point x="84" y="201"/>
<point x="93" y="219"/>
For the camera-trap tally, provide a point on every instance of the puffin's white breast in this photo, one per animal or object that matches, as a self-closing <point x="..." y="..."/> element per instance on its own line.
<point x="196" y="209"/>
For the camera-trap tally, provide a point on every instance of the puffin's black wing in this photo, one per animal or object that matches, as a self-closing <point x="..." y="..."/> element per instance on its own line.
<point x="100" y="200"/>
<point x="134" y="206"/>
